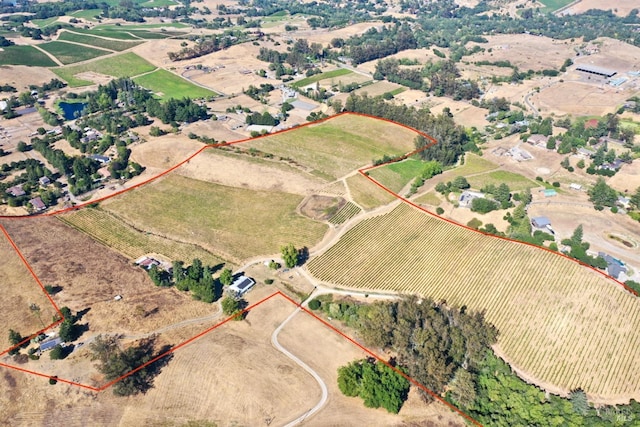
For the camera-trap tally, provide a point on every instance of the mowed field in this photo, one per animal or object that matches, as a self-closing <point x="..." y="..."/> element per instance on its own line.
<point x="340" y="145"/>
<point x="69" y="53"/>
<point x="561" y="324"/>
<point x="125" y="65"/>
<point x="234" y="223"/>
<point x="19" y="292"/>
<point x="167" y="85"/>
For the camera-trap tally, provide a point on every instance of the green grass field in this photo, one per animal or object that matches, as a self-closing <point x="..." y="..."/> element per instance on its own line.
<point x="88" y="14"/>
<point x="558" y="322"/>
<point x="630" y="124"/>
<point x="41" y="23"/>
<point x="236" y="223"/>
<point x="126" y="65"/>
<point x="167" y="85"/>
<point x="158" y="3"/>
<point x="130" y="242"/>
<point x="328" y="75"/>
<point x="516" y="182"/>
<point x="25" y="55"/>
<point x="474" y="164"/>
<point x="97" y="41"/>
<point x="553" y="5"/>
<point x="69" y="53"/>
<point x="113" y="34"/>
<point x="340" y="145"/>
<point x="396" y="175"/>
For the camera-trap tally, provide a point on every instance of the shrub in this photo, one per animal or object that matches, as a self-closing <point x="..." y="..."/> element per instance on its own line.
<point x="439" y="210"/>
<point x="314" y="304"/>
<point x="614" y="209"/>
<point x="53" y="380"/>
<point x="539" y="178"/>
<point x="556" y="184"/>
<point x="268" y="281"/>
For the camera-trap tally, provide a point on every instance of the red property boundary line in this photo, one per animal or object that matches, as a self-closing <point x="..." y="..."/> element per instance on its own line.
<point x="362" y="171"/>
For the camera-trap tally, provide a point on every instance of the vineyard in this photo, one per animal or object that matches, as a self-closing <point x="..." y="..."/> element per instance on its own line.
<point x="123" y="238"/>
<point x="347" y="212"/>
<point x="559" y="322"/>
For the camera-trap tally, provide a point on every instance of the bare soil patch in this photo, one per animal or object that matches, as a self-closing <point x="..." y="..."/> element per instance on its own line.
<point x="324" y="36"/>
<point x="321" y="207"/>
<point x="378" y="88"/>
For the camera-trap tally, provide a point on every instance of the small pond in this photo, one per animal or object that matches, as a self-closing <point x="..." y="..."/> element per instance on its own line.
<point x="71" y="111"/>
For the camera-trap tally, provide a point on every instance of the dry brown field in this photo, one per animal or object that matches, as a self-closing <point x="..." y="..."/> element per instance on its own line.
<point x="90" y="275"/>
<point x="324" y="36"/>
<point x="257" y="174"/>
<point x="579" y="99"/>
<point x="21" y="77"/>
<point x="325" y="351"/>
<point x="627" y="179"/>
<point x="525" y="51"/>
<point x="619" y="7"/>
<point x="377" y="88"/>
<point x="19" y="291"/>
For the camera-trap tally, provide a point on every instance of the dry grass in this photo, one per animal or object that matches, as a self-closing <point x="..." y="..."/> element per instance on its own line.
<point x="564" y="325"/>
<point x="524" y="51"/>
<point x="338" y="146"/>
<point x="233" y="222"/>
<point x="620" y="7"/>
<point x="325" y="351"/>
<point x="20" y="290"/>
<point x="21" y="77"/>
<point x="366" y="193"/>
<point x="250" y="172"/>
<point x="90" y="276"/>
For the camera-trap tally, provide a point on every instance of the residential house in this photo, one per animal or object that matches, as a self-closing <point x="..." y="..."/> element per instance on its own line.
<point x="38" y="204"/>
<point x="242" y="285"/>
<point x="466" y="198"/>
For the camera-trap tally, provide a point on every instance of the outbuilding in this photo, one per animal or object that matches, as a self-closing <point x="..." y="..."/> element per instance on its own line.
<point x="540" y="222"/>
<point x="242" y="285"/>
<point x="48" y="345"/>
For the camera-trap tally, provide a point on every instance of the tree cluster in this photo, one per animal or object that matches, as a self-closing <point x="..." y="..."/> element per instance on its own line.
<point x="197" y="278"/>
<point x="374" y="382"/>
<point x="114" y="362"/>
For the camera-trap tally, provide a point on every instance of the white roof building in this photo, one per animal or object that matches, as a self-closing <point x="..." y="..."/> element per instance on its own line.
<point x="242" y="285"/>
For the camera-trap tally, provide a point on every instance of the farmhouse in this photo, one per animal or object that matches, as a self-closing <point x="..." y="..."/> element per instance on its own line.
<point x="38" y="204"/>
<point x="48" y="345"/>
<point x="585" y="152"/>
<point x="242" y="285"/>
<point x="16" y="191"/>
<point x="539" y="140"/>
<point x="466" y="198"/>
<point x="598" y="71"/>
<point x="540" y="222"/>
<point x="147" y="262"/>
<point x="614" y="266"/>
<point x="613" y="166"/>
